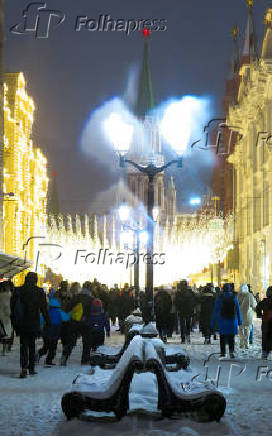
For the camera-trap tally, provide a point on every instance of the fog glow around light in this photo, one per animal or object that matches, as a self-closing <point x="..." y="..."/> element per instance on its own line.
<point x="195" y="201"/>
<point x="119" y="132"/>
<point x="124" y="212"/>
<point x="180" y="120"/>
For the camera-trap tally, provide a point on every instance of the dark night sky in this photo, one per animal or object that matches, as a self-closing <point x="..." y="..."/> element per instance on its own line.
<point x="71" y="73"/>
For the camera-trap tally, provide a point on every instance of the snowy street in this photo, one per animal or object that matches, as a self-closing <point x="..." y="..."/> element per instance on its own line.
<point x="32" y="406"/>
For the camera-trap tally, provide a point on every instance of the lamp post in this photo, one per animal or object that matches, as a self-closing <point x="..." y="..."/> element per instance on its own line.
<point x="124" y="213"/>
<point x="150" y="171"/>
<point x="119" y="129"/>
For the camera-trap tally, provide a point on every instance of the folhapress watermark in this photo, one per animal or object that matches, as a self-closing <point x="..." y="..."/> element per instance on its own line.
<point x="39" y="20"/>
<point x="50" y="253"/>
<point x="105" y="23"/>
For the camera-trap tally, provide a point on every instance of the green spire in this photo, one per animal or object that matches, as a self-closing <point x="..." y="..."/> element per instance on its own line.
<point x="53" y="201"/>
<point x="145" y="100"/>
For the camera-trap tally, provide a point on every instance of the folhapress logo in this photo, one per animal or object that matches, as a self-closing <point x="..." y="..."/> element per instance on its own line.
<point x="38" y="20"/>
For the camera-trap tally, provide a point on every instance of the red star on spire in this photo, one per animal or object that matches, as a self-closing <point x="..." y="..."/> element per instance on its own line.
<point x="146" y="32"/>
<point x="54" y="173"/>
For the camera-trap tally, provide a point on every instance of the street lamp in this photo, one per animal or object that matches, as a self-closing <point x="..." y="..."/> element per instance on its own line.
<point x="176" y="126"/>
<point x="150" y="171"/>
<point x="123" y="212"/>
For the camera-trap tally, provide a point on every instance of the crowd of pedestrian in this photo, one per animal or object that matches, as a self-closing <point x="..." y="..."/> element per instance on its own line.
<point x="64" y="314"/>
<point x="214" y="310"/>
<point x="71" y="312"/>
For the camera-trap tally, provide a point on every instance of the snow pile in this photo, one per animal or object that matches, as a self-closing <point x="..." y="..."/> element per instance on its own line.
<point x="173" y="349"/>
<point x="110" y="351"/>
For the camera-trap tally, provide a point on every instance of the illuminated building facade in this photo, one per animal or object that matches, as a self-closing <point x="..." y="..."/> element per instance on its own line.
<point x="2" y="33"/>
<point x="25" y="173"/>
<point x="252" y="160"/>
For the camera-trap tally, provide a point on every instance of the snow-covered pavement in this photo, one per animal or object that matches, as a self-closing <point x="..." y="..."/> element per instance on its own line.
<point x="32" y="406"/>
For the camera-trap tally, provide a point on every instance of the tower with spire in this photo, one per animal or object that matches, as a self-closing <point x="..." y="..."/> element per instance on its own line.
<point x="147" y="145"/>
<point x="222" y="178"/>
<point x="249" y="53"/>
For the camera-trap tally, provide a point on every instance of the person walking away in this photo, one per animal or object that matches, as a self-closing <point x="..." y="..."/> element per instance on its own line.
<point x="207" y="301"/>
<point x="27" y="302"/>
<point x="185" y="304"/>
<point x="227" y="314"/>
<point x="173" y="322"/>
<point x="104" y="296"/>
<point x="51" y="333"/>
<point x="80" y="308"/>
<point x="247" y="305"/>
<point x="264" y="311"/>
<point x="97" y="324"/>
<point x="124" y="307"/>
<point x="163" y="306"/>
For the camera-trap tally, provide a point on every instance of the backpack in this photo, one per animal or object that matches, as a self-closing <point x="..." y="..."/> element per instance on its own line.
<point x="18" y="312"/>
<point x="77" y="312"/>
<point x="228" y="308"/>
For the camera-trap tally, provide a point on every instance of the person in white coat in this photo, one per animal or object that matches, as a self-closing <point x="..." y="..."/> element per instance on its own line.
<point x="247" y="305"/>
<point x="5" y="296"/>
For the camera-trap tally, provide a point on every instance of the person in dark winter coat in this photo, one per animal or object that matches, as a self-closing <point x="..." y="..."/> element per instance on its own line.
<point x="113" y="301"/>
<point x="33" y="302"/>
<point x="63" y="293"/>
<point x="125" y="307"/>
<point x="80" y="308"/>
<point x="227" y="314"/>
<point x="163" y="306"/>
<point x="264" y="311"/>
<point x="95" y="327"/>
<point x="207" y="301"/>
<point x="51" y="333"/>
<point x="185" y="304"/>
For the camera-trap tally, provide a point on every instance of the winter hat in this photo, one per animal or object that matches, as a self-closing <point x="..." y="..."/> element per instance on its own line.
<point x="244" y="288"/>
<point x="226" y="287"/>
<point x="87" y="285"/>
<point x="31" y="278"/>
<point x="269" y="292"/>
<point x="97" y="305"/>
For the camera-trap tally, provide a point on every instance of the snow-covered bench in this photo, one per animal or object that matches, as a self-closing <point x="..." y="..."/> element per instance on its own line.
<point x="109" y="396"/>
<point x="107" y="357"/>
<point x="200" y="398"/>
<point x="175" y="358"/>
